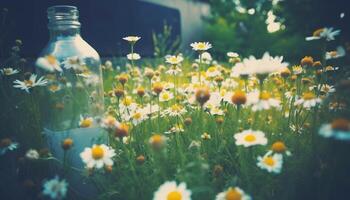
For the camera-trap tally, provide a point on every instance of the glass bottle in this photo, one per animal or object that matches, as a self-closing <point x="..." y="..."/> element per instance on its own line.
<point x="72" y="102"/>
<point x="72" y="67"/>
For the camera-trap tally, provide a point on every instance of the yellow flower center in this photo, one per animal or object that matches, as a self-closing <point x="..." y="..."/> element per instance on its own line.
<point x="157" y="139"/>
<point x="212" y="69"/>
<point x="233" y="194"/>
<point x="333" y="53"/>
<point x="53" y="88"/>
<point x="165" y="96"/>
<point x="268" y="160"/>
<point x="127" y="101"/>
<point x="28" y="83"/>
<point x="265" y="96"/>
<point x="201" y="45"/>
<point x="137" y="116"/>
<point x="176" y="108"/>
<point x="51" y="59"/>
<point x="308" y="96"/>
<point x="174" y="195"/>
<point x="97" y="152"/>
<point x="250" y="138"/>
<point x="86" y="123"/>
<point x="173" y="59"/>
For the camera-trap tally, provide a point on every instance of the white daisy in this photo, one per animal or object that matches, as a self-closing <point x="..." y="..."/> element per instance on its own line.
<point x="339" y="52"/>
<point x="265" y="65"/>
<point x="165" y="96"/>
<point x="109" y="122"/>
<point x="98" y="156"/>
<point x="30" y="83"/>
<point x="138" y="116"/>
<point x="232" y="54"/>
<point x="213" y="71"/>
<point x="201" y="46"/>
<point x="55" y="188"/>
<point x="32" y="154"/>
<point x="249" y="138"/>
<point x="206" y="58"/>
<point x="133" y="56"/>
<point x="171" y="191"/>
<point x="174" y="111"/>
<point x="261" y="101"/>
<point x="174" y="60"/>
<point x="233" y="193"/>
<point x="8" y="71"/>
<point x="85" y="122"/>
<point x="327" y="33"/>
<point x="132" y="39"/>
<point x="338" y="129"/>
<point x="308" y="100"/>
<point x="73" y="63"/>
<point x="49" y="63"/>
<point x="271" y="163"/>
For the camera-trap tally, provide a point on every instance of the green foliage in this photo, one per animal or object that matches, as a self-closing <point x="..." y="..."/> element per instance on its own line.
<point x="163" y="42"/>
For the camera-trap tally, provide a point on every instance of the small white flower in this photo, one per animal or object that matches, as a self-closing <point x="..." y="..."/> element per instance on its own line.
<point x="30" y="83"/>
<point x="249" y="138"/>
<point x="261" y="101"/>
<point x="233" y="193"/>
<point x="73" y="63"/>
<point x="109" y="122"/>
<point x="213" y="71"/>
<point x="205" y="136"/>
<point x="327" y="33"/>
<point x="32" y="154"/>
<point x="175" y="110"/>
<point x="339" y="52"/>
<point x="271" y="163"/>
<point x="165" y="96"/>
<point x="201" y="46"/>
<point x="8" y="71"/>
<point x="86" y="122"/>
<point x="174" y="60"/>
<point x="339" y="129"/>
<point x="133" y="56"/>
<point x="232" y="54"/>
<point x="308" y="100"/>
<point x="174" y="70"/>
<point x="170" y="190"/>
<point x="98" y="156"/>
<point x="267" y="64"/>
<point x="49" y="63"/>
<point x="132" y="39"/>
<point x="55" y="188"/>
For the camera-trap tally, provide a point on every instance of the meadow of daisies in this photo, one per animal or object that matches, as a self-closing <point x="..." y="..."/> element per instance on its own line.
<point x="194" y="128"/>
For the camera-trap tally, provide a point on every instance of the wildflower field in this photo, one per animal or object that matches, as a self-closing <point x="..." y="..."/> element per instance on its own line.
<point x="184" y="127"/>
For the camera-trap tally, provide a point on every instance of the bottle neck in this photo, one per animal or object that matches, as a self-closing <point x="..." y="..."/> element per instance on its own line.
<point x="64" y="32"/>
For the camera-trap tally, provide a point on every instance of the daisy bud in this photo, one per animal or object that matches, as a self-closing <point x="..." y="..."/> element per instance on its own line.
<point x="140" y="159"/>
<point x="67" y="143"/>
<point x="285" y="73"/>
<point x="157" y="141"/>
<point x="149" y="74"/>
<point x="307" y="61"/>
<point x="140" y="91"/>
<point x="218" y="170"/>
<point x="5" y="142"/>
<point x="123" y="78"/>
<point x="202" y="95"/>
<point x="239" y="97"/>
<point x="108" y="168"/>
<point x="293" y="78"/>
<point x="306" y="80"/>
<point x="317" y="64"/>
<point x="219" y="79"/>
<point x="318" y="72"/>
<point x="195" y="66"/>
<point x="219" y="120"/>
<point x="188" y="121"/>
<point x="279" y="147"/>
<point x="118" y="92"/>
<point x="157" y="88"/>
<point x="122" y="130"/>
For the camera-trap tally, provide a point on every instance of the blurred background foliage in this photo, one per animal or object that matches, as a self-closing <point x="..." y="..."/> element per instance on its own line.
<point x="251" y="27"/>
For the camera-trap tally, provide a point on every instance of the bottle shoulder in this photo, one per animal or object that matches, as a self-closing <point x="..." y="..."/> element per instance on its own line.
<point x="65" y="47"/>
